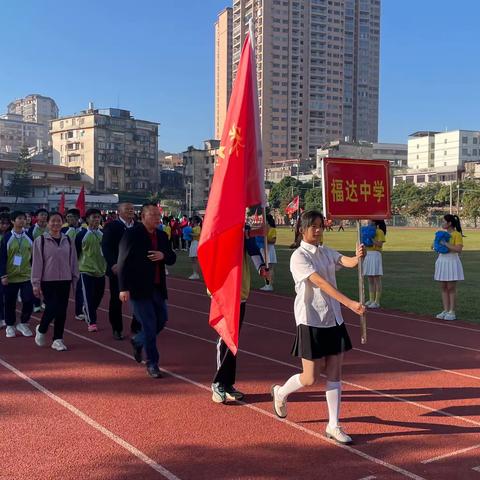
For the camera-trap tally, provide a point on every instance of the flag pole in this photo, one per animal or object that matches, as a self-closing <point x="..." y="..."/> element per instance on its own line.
<point x="361" y="291"/>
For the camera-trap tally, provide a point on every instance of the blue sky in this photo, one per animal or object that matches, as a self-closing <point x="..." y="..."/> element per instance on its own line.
<point x="155" y="58"/>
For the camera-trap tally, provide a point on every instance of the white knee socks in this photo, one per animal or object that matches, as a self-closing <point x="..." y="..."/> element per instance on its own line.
<point x="333" y="392"/>
<point x="291" y="385"/>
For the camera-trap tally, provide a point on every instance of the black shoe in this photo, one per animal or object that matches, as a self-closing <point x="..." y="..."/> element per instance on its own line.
<point x="232" y="393"/>
<point x="154" y="371"/>
<point x="118" y="335"/>
<point x="137" y="351"/>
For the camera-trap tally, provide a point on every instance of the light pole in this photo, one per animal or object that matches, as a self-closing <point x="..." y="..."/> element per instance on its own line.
<point x="189" y="199"/>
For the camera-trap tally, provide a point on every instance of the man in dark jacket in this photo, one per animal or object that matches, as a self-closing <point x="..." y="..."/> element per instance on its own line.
<point x="112" y="234"/>
<point x="144" y="252"/>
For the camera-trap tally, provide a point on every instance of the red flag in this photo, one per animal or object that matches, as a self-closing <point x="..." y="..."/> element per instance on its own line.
<point x="80" y="203"/>
<point x="292" y="207"/>
<point x="238" y="182"/>
<point x="61" y="207"/>
<point x="256" y="218"/>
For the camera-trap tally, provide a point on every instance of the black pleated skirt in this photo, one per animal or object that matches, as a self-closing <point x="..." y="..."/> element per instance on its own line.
<point x="313" y="342"/>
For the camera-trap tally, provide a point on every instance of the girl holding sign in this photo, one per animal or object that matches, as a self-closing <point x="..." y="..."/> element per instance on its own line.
<point x="372" y="266"/>
<point x="321" y="332"/>
<point x="448" y="267"/>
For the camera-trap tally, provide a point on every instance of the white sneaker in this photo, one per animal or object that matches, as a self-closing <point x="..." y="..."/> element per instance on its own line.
<point x="166" y="272"/>
<point x="337" y="434"/>
<point x="43" y="306"/>
<point x="3" y="324"/>
<point x="267" y="288"/>
<point x="10" y="332"/>
<point x="374" y="305"/>
<point x="80" y="317"/>
<point x="194" y="276"/>
<point x="40" y="339"/>
<point x="59" y="345"/>
<point x="279" y="406"/>
<point x="37" y="309"/>
<point x="450" y="316"/>
<point x="24" y="329"/>
<point x="441" y="315"/>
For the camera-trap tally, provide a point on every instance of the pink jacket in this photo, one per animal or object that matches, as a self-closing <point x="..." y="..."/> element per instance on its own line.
<point x="54" y="262"/>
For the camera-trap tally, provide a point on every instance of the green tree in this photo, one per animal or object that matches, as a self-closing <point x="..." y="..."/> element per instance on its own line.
<point x="21" y="184"/>
<point x="314" y="199"/>
<point x="403" y="195"/>
<point x="282" y="193"/>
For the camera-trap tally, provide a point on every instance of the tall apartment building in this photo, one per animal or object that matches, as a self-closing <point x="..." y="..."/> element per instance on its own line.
<point x="37" y="109"/>
<point x="223" y="67"/>
<point x="116" y="151"/>
<point x="318" y="68"/>
<point x="15" y="133"/>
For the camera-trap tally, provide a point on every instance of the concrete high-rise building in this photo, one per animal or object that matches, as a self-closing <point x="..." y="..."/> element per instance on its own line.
<point x="318" y="68"/>
<point x="223" y="67"/>
<point x="37" y="109"/>
<point x="15" y="134"/>
<point x="116" y="151"/>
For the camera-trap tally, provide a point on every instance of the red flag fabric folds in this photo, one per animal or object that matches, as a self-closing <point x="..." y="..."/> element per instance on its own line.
<point x="61" y="206"/>
<point x="292" y="207"/>
<point x="238" y="182"/>
<point x="80" y="203"/>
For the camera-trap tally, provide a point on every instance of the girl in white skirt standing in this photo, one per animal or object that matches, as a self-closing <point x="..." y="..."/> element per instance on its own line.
<point x="373" y="266"/>
<point x="192" y="253"/>
<point x="272" y="254"/>
<point x="448" y="267"/>
<point x="321" y="333"/>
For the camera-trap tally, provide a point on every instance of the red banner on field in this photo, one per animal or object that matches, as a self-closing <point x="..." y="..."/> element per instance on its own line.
<point x="356" y="189"/>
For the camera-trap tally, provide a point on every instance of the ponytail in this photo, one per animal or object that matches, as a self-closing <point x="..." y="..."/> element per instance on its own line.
<point x="455" y="221"/>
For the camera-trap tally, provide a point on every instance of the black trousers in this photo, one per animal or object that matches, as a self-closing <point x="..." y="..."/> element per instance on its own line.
<point x="26" y="294"/>
<point x="93" y="289"/>
<point x="115" y="309"/>
<point x="226" y="360"/>
<point x="55" y="296"/>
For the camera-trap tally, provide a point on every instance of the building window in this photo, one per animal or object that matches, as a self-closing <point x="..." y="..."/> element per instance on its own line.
<point x="464" y="139"/>
<point x="475" y="140"/>
<point x="444" y="152"/>
<point x="475" y="152"/>
<point x="464" y="151"/>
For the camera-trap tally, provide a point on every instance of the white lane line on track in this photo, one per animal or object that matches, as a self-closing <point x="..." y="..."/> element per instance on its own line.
<point x="272" y="416"/>
<point x="451" y="454"/>
<point x="370" y="477"/>
<point x="476" y="469"/>
<point x="290" y="312"/>
<point x="92" y="423"/>
<point x="291" y="365"/>
<point x="453" y="372"/>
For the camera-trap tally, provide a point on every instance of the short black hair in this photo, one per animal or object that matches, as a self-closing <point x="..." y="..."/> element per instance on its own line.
<point x="308" y="218"/>
<point x="5" y="216"/>
<point x="18" y="213"/>
<point x="74" y="211"/>
<point x="41" y="210"/>
<point x="52" y="214"/>
<point x="92" y="211"/>
<point x="147" y="205"/>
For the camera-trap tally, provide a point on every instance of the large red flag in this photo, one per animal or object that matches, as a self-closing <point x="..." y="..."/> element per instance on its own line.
<point x="80" y="203"/>
<point x="292" y="207"/>
<point x="238" y="182"/>
<point x="61" y="207"/>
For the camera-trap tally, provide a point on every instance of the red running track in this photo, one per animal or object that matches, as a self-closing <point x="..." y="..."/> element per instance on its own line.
<point x="410" y="402"/>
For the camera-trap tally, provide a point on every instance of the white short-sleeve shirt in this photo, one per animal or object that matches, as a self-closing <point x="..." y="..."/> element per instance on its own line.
<point x="312" y="306"/>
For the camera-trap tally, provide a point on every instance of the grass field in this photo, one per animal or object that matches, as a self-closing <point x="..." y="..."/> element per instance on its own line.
<point x="408" y="265"/>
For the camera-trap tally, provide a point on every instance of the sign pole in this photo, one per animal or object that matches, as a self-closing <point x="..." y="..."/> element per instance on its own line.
<point x="361" y="291"/>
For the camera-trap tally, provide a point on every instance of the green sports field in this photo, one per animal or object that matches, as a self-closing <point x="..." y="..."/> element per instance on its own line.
<point x="408" y="265"/>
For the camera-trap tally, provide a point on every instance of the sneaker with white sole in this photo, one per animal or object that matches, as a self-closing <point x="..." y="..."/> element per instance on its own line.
<point x="338" y="435"/>
<point x="374" y="305"/>
<point x="279" y="406"/>
<point x="37" y="309"/>
<point x="450" y="316"/>
<point x="80" y="317"/>
<point x="3" y="324"/>
<point x="232" y="394"/>
<point x="267" y="288"/>
<point x="194" y="276"/>
<point x="40" y="338"/>
<point x="441" y="315"/>
<point x="10" y="332"/>
<point x="24" y="329"/>
<point x="218" y="393"/>
<point x="59" y="345"/>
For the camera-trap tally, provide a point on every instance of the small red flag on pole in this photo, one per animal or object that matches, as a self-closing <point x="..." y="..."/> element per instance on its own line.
<point x="293" y="206"/>
<point x="238" y="183"/>
<point x="80" y="203"/>
<point x="61" y="206"/>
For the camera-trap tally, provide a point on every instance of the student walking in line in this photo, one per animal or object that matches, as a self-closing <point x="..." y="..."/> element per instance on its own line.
<point x="143" y="253"/>
<point x="187" y="231"/>
<point x="272" y="254"/>
<point x="112" y="235"/>
<point x="34" y="232"/>
<point x="92" y="266"/>
<point x="72" y="228"/>
<point x="448" y="267"/>
<point x="373" y="265"/>
<point x="321" y="333"/>
<point x="54" y="270"/>
<point x="15" y="273"/>
<point x="5" y="226"/>
<point x="223" y="385"/>
<point x="192" y="253"/>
